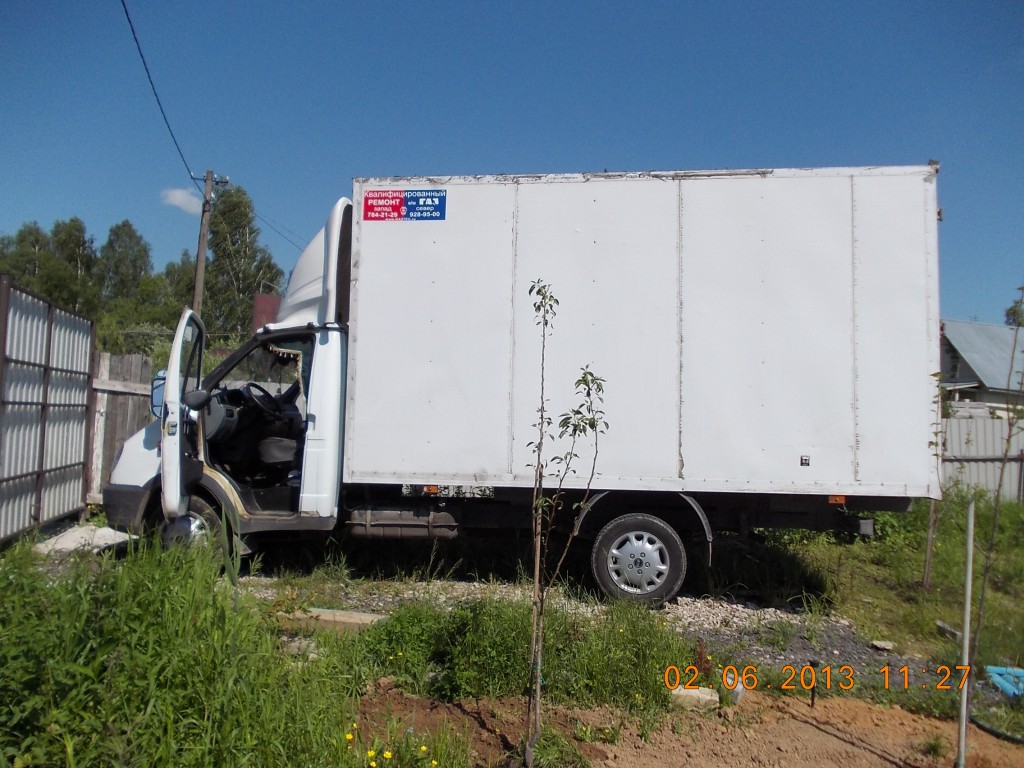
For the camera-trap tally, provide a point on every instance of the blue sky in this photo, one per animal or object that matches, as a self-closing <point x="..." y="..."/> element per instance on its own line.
<point x="293" y="100"/>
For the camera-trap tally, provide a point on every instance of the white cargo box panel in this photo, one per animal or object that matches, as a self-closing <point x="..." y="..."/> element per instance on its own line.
<point x="759" y="331"/>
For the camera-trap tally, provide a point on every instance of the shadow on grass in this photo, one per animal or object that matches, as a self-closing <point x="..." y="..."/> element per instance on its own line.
<point x="742" y="568"/>
<point x="464" y="559"/>
<point x="754" y="569"/>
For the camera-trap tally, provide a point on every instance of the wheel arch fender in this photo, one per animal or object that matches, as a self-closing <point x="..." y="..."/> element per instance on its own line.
<point x="221" y="493"/>
<point x="217" y="491"/>
<point x="702" y="517"/>
<point x="688" y="518"/>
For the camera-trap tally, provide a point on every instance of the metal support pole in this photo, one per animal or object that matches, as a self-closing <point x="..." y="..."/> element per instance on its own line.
<point x="965" y="654"/>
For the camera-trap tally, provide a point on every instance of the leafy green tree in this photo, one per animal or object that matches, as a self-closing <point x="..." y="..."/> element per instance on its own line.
<point x="20" y="255"/>
<point x="1015" y="314"/>
<point x="57" y="266"/>
<point x="144" y="320"/>
<point x="123" y="262"/>
<point x="240" y="267"/>
<point x="70" y="278"/>
<point x="141" y="321"/>
<point x="181" y="281"/>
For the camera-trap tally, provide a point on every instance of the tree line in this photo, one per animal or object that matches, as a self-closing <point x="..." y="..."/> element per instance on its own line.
<point x="135" y="308"/>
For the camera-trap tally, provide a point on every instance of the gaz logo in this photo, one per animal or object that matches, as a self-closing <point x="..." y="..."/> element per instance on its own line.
<point x="404" y="204"/>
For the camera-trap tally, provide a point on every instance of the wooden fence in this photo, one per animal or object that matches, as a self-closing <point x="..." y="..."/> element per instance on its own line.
<point x="121" y="387"/>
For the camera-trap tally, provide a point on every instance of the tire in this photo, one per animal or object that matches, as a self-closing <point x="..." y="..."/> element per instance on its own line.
<point x="200" y="525"/>
<point x="643" y="539"/>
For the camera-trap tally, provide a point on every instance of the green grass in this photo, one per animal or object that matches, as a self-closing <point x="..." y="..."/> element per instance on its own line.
<point x="878" y="583"/>
<point x="554" y="750"/>
<point x="155" y="660"/>
<point x="482" y="649"/>
<point x="935" y="747"/>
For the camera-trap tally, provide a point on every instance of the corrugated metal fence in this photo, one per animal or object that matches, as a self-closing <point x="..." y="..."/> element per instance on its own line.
<point x="973" y="454"/>
<point x="44" y="410"/>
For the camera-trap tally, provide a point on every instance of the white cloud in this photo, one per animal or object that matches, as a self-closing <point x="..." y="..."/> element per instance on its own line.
<point x="186" y="199"/>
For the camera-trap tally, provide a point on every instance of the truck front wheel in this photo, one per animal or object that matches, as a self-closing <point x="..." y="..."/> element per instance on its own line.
<point x="199" y="525"/>
<point x="640" y="558"/>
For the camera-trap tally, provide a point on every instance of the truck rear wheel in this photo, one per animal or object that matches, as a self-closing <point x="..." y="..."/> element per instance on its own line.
<point x="639" y="558"/>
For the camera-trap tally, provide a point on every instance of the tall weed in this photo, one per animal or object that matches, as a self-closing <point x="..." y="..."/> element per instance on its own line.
<point x="155" y="661"/>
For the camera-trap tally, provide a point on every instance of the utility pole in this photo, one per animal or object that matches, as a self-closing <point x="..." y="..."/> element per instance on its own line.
<point x="204" y="227"/>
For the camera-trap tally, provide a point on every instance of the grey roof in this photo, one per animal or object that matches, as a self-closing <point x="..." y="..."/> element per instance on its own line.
<point x="987" y="349"/>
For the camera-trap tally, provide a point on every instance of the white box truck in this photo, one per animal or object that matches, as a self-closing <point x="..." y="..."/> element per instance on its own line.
<point x="768" y="338"/>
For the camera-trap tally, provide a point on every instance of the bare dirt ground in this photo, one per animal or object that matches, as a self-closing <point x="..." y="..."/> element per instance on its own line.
<point x="761" y="730"/>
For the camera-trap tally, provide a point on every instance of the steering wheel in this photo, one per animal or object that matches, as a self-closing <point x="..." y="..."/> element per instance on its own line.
<point x="261" y="398"/>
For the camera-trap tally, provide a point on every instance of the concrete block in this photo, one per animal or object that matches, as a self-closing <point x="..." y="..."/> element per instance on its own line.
<point x="699" y="698"/>
<point x="329" y="619"/>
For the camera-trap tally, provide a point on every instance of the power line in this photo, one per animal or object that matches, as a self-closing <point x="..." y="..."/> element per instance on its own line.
<point x="282" y="234"/>
<point x="156" y="95"/>
<point x="170" y="130"/>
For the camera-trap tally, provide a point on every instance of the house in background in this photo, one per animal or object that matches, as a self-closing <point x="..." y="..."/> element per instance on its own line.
<point x="976" y="371"/>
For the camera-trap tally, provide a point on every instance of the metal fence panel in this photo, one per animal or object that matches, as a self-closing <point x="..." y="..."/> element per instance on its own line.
<point x="973" y="454"/>
<point x="44" y="410"/>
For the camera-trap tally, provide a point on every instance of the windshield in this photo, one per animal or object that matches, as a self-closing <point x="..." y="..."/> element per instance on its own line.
<point x="275" y="366"/>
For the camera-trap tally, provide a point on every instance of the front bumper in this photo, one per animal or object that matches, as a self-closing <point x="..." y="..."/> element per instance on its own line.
<point x="125" y="507"/>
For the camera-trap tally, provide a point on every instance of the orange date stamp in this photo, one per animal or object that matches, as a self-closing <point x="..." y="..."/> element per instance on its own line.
<point x="808" y="677"/>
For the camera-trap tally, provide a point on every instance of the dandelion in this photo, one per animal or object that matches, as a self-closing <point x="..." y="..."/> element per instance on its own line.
<point x="349" y="737"/>
<point x="371" y="752"/>
<point x="387" y="754"/>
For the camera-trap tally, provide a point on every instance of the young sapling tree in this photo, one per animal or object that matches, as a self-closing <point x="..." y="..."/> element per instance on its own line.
<point x="584" y="422"/>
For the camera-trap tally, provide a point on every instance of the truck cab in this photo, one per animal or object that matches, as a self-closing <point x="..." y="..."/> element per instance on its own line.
<point x="259" y="436"/>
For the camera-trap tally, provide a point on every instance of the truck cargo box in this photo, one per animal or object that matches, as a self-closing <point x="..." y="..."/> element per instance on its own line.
<point x="764" y="331"/>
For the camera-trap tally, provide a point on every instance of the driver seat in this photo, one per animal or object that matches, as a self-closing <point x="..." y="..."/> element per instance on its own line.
<point x="277" y="450"/>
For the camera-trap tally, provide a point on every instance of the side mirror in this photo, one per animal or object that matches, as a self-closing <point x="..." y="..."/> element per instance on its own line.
<point x="197" y="399"/>
<point x="156" y="393"/>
